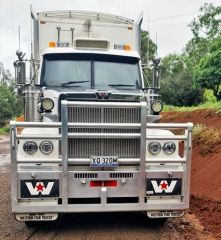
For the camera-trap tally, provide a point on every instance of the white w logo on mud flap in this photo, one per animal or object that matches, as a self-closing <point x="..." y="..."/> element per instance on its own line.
<point x="39" y="188"/>
<point x="163" y="186"/>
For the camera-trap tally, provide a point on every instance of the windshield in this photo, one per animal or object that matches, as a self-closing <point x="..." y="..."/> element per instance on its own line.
<point x="98" y="71"/>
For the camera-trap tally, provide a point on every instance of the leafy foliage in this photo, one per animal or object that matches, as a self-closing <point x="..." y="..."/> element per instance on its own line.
<point x="208" y="71"/>
<point x="147" y="54"/>
<point x="177" y="83"/>
<point x="10" y="102"/>
<point x="148" y="50"/>
<point x="208" y="23"/>
<point x="199" y="66"/>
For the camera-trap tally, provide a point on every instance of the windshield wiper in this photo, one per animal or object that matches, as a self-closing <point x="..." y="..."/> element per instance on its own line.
<point x="121" y="85"/>
<point x="72" y="82"/>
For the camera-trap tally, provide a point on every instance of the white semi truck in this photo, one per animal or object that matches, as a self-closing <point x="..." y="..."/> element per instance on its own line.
<point x="91" y="140"/>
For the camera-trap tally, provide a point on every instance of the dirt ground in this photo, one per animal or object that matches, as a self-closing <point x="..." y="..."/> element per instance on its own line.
<point x="205" y="171"/>
<point x="206" y="168"/>
<point x="201" y="222"/>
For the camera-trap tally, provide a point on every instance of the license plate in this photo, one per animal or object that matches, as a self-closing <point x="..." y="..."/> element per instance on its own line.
<point x="104" y="161"/>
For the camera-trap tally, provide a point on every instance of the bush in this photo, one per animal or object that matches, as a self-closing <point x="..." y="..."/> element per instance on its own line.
<point x="206" y="137"/>
<point x="208" y="96"/>
<point x="178" y="90"/>
<point x="10" y="104"/>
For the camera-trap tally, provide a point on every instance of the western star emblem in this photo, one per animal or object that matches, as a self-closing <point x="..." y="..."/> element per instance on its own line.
<point x="163" y="186"/>
<point x="169" y="186"/>
<point x="39" y="188"/>
<point x="103" y="95"/>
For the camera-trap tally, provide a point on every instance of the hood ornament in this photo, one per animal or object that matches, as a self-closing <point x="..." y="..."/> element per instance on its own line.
<point x="102" y="95"/>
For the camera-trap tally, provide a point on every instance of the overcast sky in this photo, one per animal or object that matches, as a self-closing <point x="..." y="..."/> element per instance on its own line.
<point x="168" y="18"/>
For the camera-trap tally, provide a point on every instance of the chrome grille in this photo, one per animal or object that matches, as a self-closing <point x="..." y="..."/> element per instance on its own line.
<point x="85" y="148"/>
<point x="103" y="115"/>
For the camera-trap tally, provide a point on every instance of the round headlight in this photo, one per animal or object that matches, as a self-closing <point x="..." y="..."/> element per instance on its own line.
<point x="30" y="147"/>
<point x="157" y="106"/>
<point x="46" y="147"/>
<point x="154" y="147"/>
<point x="169" y="147"/>
<point x="47" y="104"/>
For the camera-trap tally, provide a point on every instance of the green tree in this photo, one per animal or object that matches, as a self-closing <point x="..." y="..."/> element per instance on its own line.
<point x="200" y="54"/>
<point x="147" y="54"/>
<point x="10" y="102"/>
<point x="5" y="75"/>
<point x="208" y="72"/>
<point x="148" y="50"/>
<point x="177" y="84"/>
<point x="208" y="23"/>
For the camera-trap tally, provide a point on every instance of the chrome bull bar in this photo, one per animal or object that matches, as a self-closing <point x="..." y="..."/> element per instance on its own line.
<point x="64" y="135"/>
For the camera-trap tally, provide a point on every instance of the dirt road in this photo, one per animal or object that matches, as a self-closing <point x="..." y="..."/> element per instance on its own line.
<point x="91" y="226"/>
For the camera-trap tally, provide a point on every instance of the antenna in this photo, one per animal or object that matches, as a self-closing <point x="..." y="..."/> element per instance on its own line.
<point x="156" y="53"/>
<point x="148" y="40"/>
<point x="19" y="52"/>
<point x="31" y="34"/>
<point x="19" y="38"/>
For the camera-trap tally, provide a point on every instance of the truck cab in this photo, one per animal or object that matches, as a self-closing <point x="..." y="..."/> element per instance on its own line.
<point x="91" y="140"/>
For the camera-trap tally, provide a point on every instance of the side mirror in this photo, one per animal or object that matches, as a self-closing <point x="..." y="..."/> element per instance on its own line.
<point x="20" y="68"/>
<point x="156" y="68"/>
<point x="20" y="72"/>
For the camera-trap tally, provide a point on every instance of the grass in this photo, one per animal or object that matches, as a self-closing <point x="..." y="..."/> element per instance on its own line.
<point x="206" y="105"/>
<point x="207" y="137"/>
<point x="4" y="130"/>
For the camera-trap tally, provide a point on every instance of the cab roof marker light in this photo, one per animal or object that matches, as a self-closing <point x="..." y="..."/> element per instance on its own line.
<point x="52" y="44"/>
<point x="127" y="47"/>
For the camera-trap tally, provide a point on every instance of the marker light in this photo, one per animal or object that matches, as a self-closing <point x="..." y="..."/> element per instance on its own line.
<point x="127" y="47"/>
<point x="52" y="44"/>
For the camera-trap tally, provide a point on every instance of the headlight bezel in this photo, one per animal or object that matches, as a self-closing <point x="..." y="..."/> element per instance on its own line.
<point x="27" y="150"/>
<point x="43" y="102"/>
<point x="46" y="152"/>
<point x="169" y="152"/>
<point x="151" y="144"/>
